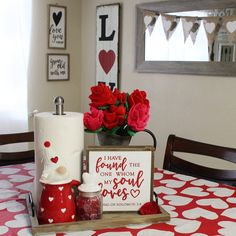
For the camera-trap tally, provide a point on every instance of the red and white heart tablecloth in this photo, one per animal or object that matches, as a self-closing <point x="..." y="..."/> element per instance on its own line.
<point x="197" y="207"/>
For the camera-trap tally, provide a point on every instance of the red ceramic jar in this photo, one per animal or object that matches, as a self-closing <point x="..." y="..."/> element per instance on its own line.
<point x="57" y="203"/>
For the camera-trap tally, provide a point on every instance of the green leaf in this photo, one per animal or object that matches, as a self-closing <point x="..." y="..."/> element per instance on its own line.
<point x="103" y="107"/>
<point x="95" y="131"/>
<point x="131" y="132"/>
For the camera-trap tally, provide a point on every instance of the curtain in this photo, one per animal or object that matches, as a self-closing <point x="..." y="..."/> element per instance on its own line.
<point x="15" y="30"/>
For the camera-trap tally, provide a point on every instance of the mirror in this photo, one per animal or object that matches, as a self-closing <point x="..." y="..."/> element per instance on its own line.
<point x="187" y="37"/>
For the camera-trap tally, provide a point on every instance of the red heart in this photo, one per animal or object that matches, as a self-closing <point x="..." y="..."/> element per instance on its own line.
<point x="134" y="193"/>
<point x="54" y="159"/>
<point x="106" y="60"/>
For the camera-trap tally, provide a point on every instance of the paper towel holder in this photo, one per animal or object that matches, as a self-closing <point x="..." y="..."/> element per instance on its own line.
<point x="59" y="102"/>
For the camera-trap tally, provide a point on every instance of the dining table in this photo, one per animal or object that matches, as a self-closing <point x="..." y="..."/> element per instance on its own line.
<point x="197" y="207"/>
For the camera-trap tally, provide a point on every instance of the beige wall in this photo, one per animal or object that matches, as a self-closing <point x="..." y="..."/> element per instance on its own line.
<point x="40" y="91"/>
<point x="197" y="107"/>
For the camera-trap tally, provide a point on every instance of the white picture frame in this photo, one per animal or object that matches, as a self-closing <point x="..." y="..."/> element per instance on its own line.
<point x="58" y="67"/>
<point x="57" y="27"/>
<point x="125" y="175"/>
<point x="107" y="45"/>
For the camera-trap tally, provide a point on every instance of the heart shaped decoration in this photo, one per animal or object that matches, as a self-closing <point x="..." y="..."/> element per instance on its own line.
<point x="69" y="196"/>
<point x="231" y="26"/>
<point x="106" y="60"/>
<point x="72" y="217"/>
<point x="178" y="200"/>
<point x="61" y="188"/>
<point x="171" y="183"/>
<point x="221" y="192"/>
<point x="134" y="193"/>
<point x="198" y="212"/>
<point x="195" y="191"/>
<point x="184" y="226"/>
<point x="63" y="210"/>
<point x="210" y="27"/>
<point x="54" y="159"/>
<point x="57" y="17"/>
<point x="231" y="213"/>
<point x="50" y="220"/>
<point x="164" y="190"/>
<point x="216" y="203"/>
<point x="42" y="209"/>
<point x="167" y="25"/>
<point x="188" y="25"/>
<point x="50" y="199"/>
<point x="147" y="20"/>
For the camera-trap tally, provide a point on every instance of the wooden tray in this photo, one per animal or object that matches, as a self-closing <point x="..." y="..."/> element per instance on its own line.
<point x="109" y="220"/>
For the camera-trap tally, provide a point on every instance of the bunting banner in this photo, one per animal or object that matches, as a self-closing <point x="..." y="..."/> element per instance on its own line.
<point x="191" y="25"/>
<point x="170" y="22"/>
<point x="230" y="25"/>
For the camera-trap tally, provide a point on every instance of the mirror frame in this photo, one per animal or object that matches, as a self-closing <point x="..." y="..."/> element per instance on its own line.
<point x="179" y="67"/>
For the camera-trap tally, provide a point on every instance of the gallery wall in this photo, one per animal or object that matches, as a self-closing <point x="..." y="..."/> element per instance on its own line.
<point x="40" y="91"/>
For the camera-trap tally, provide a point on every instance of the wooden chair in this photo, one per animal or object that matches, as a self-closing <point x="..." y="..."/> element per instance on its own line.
<point x="16" y="157"/>
<point x="174" y="163"/>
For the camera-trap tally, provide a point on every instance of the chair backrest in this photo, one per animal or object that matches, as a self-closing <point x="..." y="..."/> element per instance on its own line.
<point x="174" y="163"/>
<point x="16" y="157"/>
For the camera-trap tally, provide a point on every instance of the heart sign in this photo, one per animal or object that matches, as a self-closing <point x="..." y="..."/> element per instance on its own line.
<point x="231" y="26"/>
<point x="54" y="159"/>
<point x="134" y="193"/>
<point x="57" y="17"/>
<point x="210" y="27"/>
<point x="106" y="60"/>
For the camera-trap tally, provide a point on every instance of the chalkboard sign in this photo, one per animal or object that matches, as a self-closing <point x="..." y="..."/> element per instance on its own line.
<point x="125" y="175"/>
<point x="57" y="27"/>
<point x="58" y="67"/>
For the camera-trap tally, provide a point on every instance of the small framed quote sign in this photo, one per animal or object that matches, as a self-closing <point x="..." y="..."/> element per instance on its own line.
<point x="58" y="67"/>
<point x="107" y="40"/>
<point x="125" y="175"/>
<point x="57" y="27"/>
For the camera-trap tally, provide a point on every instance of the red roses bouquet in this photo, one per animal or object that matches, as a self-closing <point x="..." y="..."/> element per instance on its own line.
<point x="116" y="112"/>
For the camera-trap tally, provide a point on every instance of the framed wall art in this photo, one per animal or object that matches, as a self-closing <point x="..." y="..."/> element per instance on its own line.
<point x="107" y="48"/>
<point x="125" y="175"/>
<point x="58" y="66"/>
<point x="57" y="27"/>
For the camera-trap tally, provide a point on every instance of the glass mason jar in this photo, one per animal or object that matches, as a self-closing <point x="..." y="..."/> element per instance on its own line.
<point x="89" y="205"/>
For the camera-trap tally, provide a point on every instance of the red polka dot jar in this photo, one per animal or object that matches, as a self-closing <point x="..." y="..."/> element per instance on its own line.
<point x="89" y="201"/>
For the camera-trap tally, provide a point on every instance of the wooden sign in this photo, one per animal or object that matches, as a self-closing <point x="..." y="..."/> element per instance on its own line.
<point x="125" y="174"/>
<point x="57" y="27"/>
<point x="107" y="45"/>
<point x="58" y="67"/>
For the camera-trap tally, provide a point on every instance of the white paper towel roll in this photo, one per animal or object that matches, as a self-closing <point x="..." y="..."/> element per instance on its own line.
<point x="61" y="139"/>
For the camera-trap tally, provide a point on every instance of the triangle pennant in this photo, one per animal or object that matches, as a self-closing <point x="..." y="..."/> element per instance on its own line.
<point x="170" y="22"/>
<point x="187" y="23"/>
<point x="195" y="29"/>
<point x="149" y="19"/>
<point x="230" y="24"/>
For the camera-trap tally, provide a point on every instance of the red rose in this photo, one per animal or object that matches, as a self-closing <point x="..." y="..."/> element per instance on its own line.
<point x="138" y="116"/>
<point x="114" y="116"/>
<point x="138" y="96"/>
<point x="101" y="96"/>
<point x="93" y="120"/>
<point x="121" y="97"/>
